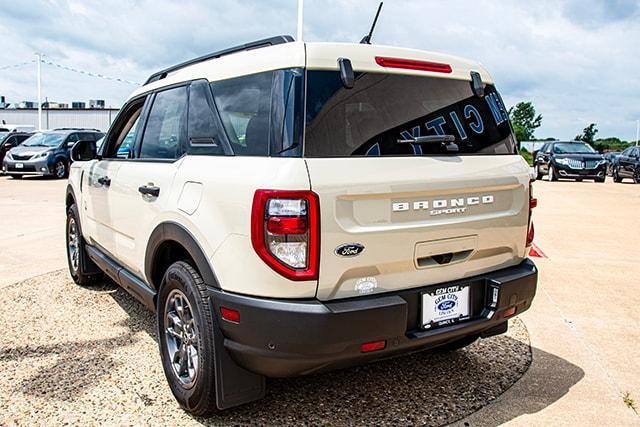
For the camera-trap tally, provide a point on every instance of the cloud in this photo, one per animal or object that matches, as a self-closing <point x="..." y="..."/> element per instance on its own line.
<point x="574" y="59"/>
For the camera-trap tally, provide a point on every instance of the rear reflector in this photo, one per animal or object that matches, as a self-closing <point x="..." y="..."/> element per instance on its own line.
<point x="533" y="203"/>
<point x="412" y="64"/>
<point x="230" y="315"/>
<point x="373" y="346"/>
<point x="509" y="312"/>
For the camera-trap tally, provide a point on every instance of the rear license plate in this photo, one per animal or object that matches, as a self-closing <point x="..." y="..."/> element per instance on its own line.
<point x="445" y="306"/>
<point x="19" y="165"/>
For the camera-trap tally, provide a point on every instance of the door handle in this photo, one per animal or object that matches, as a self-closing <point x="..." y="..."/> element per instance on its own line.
<point x="149" y="190"/>
<point x="104" y="181"/>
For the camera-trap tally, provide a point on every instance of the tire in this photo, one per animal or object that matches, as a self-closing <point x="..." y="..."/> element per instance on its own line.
<point x="60" y="169"/>
<point x="16" y="176"/>
<point x="636" y="177"/>
<point x="193" y="388"/>
<point x="539" y="173"/>
<point x="600" y="179"/>
<point x="553" y="175"/>
<point x="76" y="249"/>
<point x="458" y="344"/>
<point x="616" y="176"/>
<point x="578" y="179"/>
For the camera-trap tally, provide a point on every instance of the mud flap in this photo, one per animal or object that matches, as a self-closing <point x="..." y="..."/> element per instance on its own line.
<point x="234" y="385"/>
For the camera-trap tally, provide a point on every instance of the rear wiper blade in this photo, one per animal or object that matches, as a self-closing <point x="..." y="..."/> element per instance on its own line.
<point x="431" y="139"/>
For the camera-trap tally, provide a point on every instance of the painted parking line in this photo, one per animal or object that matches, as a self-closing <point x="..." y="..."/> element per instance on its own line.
<point x="536" y="252"/>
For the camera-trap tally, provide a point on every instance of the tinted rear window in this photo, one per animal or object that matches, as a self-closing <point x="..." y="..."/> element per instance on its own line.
<point x="381" y="109"/>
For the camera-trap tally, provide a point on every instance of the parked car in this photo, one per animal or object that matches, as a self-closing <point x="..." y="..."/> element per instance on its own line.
<point x="9" y="140"/>
<point x="572" y="160"/>
<point x="46" y="153"/>
<point x="402" y="223"/>
<point x="16" y="128"/>
<point x="627" y="165"/>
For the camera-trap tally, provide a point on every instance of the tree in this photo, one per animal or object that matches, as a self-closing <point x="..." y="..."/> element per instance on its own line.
<point x="524" y="120"/>
<point x="588" y="134"/>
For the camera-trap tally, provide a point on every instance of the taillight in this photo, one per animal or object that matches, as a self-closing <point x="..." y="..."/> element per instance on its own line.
<point x="285" y="232"/>
<point x="533" y="202"/>
<point x="412" y="64"/>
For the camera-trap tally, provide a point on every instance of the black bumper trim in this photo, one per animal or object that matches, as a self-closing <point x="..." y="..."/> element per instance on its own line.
<point x="281" y="338"/>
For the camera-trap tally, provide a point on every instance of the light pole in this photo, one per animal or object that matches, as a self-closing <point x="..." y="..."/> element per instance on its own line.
<point x="39" y="59"/>
<point x="637" y="131"/>
<point x="300" y="19"/>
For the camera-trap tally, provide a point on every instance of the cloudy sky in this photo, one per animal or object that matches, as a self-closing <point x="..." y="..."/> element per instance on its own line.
<point x="578" y="61"/>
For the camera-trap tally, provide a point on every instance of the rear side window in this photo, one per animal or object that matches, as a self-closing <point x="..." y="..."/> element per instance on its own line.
<point x="262" y="113"/>
<point x="165" y="131"/>
<point x="204" y="137"/>
<point x="383" y="109"/>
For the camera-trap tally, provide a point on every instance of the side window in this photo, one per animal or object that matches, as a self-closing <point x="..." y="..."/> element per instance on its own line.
<point x="165" y="132"/>
<point x="244" y="104"/>
<point x="11" y="141"/>
<point x="21" y="138"/>
<point x="120" y="139"/>
<point x="73" y="138"/>
<point x="204" y="136"/>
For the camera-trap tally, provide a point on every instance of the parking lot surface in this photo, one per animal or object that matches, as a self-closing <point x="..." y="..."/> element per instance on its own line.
<point x="83" y="355"/>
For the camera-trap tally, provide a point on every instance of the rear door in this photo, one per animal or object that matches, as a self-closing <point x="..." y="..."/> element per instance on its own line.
<point x="143" y="189"/>
<point x="395" y="214"/>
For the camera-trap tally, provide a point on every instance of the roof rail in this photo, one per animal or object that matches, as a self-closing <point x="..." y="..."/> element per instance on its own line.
<point x="247" y="46"/>
<point x="89" y="129"/>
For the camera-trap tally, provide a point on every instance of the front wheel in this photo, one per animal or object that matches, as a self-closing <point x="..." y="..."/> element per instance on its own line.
<point x="76" y="249"/>
<point x="186" y="339"/>
<point x="60" y="169"/>
<point x="553" y="175"/>
<point x="616" y="175"/>
<point x="636" y="177"/>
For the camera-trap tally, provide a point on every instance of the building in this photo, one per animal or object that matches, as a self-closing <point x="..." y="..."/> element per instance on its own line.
<point x="27" y="104"/>
<point x="95" y="118"/>
<point x="3" y="103"/>
<point x="78" y="105"/>
<point x="96" y="103"/>
<point x="55" y="105"/>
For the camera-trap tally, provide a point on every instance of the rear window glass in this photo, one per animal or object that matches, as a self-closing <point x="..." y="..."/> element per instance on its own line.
<point x="382" y="109"/>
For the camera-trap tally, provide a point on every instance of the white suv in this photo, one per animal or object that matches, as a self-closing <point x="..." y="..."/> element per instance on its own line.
<point x="289" y="207"/>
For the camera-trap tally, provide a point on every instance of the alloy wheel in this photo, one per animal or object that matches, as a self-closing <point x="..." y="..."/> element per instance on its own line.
<point x="73" y="240"/>
<point x="60" y="169"/>
<point x="181" y="338"/>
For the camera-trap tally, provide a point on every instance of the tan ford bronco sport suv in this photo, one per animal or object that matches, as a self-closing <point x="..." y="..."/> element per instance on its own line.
<point x="288" y="208"/>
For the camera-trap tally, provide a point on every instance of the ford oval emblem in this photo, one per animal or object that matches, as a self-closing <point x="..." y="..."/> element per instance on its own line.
<point x="349" y="250"/>
<point x="446" y="305"/>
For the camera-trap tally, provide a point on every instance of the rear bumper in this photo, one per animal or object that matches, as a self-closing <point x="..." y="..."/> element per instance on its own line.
<point x="281" y="338"/>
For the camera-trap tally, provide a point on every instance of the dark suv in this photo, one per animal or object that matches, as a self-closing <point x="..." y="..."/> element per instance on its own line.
<point x="572" y="160"/>
<point x="9" y="140"/>
<point x="46" y="153"/>
<point x="627" y="165"/>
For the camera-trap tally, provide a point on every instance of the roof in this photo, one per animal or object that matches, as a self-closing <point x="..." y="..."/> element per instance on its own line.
<point x="241" y="61"/>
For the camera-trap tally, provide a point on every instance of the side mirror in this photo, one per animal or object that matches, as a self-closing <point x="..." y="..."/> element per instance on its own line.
<point x="346" y="73"/>
<point x="83" y="151"/>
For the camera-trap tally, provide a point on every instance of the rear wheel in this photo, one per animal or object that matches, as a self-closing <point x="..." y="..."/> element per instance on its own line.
<point x="553" y="175"/>
<point x="601" y="179"/>
<point x="458" y="344"/>
<point x="186" y="338"/>
<point x="636" y="177"/>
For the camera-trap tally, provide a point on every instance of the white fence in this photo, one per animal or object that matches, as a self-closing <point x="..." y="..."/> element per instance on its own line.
<point x="68" y="118"/>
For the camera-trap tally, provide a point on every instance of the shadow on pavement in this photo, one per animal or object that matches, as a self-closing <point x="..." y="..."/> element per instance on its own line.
<point x="548" y="379"/>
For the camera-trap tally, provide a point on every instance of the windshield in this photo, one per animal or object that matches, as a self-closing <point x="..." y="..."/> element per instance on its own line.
<point x="572" y="147"/>
<point x="44" y="140"/>
<point x="383" y="114"/>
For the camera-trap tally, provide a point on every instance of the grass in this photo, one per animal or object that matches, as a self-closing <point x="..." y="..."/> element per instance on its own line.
<point x="527" y="156"/>
<point x="628" y="400"/>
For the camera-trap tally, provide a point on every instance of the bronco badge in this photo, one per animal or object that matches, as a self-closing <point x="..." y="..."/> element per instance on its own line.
<point x="349" y="249"/>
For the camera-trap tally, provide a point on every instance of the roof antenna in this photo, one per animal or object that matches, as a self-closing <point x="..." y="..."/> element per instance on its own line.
<point x="367" y="39"/>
